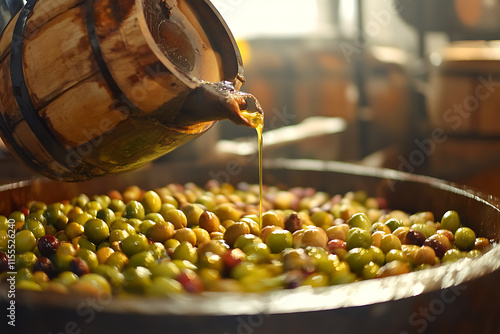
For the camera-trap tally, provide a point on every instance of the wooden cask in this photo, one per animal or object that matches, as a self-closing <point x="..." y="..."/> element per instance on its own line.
<point x="96" y="87"/>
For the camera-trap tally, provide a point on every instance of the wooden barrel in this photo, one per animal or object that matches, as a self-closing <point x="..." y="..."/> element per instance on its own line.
<point x="93" y="87"/>
<point x="463" y="109"/>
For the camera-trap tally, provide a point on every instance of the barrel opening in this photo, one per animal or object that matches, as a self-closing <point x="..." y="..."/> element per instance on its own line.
<point x="193" y="38"/>
<point x="170" y="33"/>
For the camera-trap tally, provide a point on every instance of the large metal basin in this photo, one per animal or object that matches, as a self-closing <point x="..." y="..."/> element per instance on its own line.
<point x="459" y="298"/>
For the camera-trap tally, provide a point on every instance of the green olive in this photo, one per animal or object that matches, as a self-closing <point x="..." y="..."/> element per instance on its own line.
<point x="122" y="224"/>
<point x="321" y="218"/>
<point x="112" y="275"/>
<point x="185" y="251"/>
<point x="163" y="286"/>
<point x="117" y="235"/>
<point x="86" y="244"/>
<point x="176" y="217"/>
<point x="25" y="260"/>
<point x="317" y="255"/>
<point x="370" y="270"/>
<point x="165" y="269"/>
<point x="4" y="223"/>
<point x="465" y="238"/>
<point x="74" y="230"/>
<point x="379" y="226"/>
<point x="342" y="274"/>
<point x="358" y="237"/>
<point x="145" y="226"/>
<point x="227" y="211"/>
<point x="104" y="200"/>
<point x="185" y="234"/>
<point x="452" y="255"/>
<point x="89" y="257"/>
<point x="207" y="201"/>
<point x="136" y="224"/>
<point x="80" y="200"/>
<point x="388" y="242"/>
<point x="357" y="258"/>
<point x="171" y="244"/>
<point x="473" y="254"/>
<point x="395" y="255"/>
<point x="279" y="240"/>
<point x="377" y="255"/>
<point x="92" y="206"/>
<point x="92" y="282"/>
<point x="271" y="218"/>
<point x="17" y="216"/>
<point x="107" y="215"/>
<point x="28" y="285"/>
<point x="316" y="280"/>
<point x="170" y="200"/>
<point x="158" y="250"/>
<point x="193" y="213"/>
<point x="425" y="229"/>
<point x="202" y="236"/>
<point x="450" y="221"/>
<point x="360" y="220"/>
<point x="394" y="223"/>
<point x="37" y="215"/>
<point x="96" y="230"/>
<point x="37" y="206"/>
<point x="117" y="205"/>
<point x="258" y="253"/>
<point x="66" y="278"/>
<point x="137" y="279"/>
<point x="118" y="260"/>
<point x="245" y="239"/>
<point x="142" y="259"/>
<point x="154" y="216"/>
<point x="25" y="241"/>
<point x="243" y="269"/>
<point x="134" y="244"/>
<point x="134" y="209"/>
<point x="4" y="240"/>
<point x="252" y="225"/>
<point x="82" y="218"/>
<point x="218" y="247"/>
<point x="210" y="261"/>
<point x="151" y="201"/>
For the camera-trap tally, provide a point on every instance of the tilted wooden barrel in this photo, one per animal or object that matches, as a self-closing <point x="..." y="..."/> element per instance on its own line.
<point x="101" y="86"/>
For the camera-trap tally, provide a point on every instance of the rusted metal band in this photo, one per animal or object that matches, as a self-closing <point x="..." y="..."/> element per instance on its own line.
<point x="22" y="96"/>
<point x="118" y="95"/>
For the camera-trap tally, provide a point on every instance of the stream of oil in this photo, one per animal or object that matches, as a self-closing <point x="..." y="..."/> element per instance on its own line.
<point x="256" y="119"/>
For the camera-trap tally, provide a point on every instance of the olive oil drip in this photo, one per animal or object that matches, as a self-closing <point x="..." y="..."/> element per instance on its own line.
<point x="256" y="119"/>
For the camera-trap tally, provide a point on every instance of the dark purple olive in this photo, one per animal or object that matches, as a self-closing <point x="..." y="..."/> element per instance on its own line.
<point x="4" y="262"/>
<point x="438" y="245"/>
<point x="415" y="238"/>
<point x="293" y="222"/>
<point x="45" y="265"/>
<point x="79" y="267"/>
<point x="47" y="245"/>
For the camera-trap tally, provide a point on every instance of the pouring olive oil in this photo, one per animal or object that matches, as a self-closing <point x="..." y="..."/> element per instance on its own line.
<point x="256" y="120"/>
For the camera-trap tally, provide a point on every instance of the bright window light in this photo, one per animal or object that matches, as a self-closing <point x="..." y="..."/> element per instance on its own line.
<point x="269" y="18"/>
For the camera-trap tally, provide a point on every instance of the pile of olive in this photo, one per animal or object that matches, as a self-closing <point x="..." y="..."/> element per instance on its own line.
<point x="184" y="238"/>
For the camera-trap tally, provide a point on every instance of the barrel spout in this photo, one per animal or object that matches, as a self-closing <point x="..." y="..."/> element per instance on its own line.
<point x="217" y="101"/>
